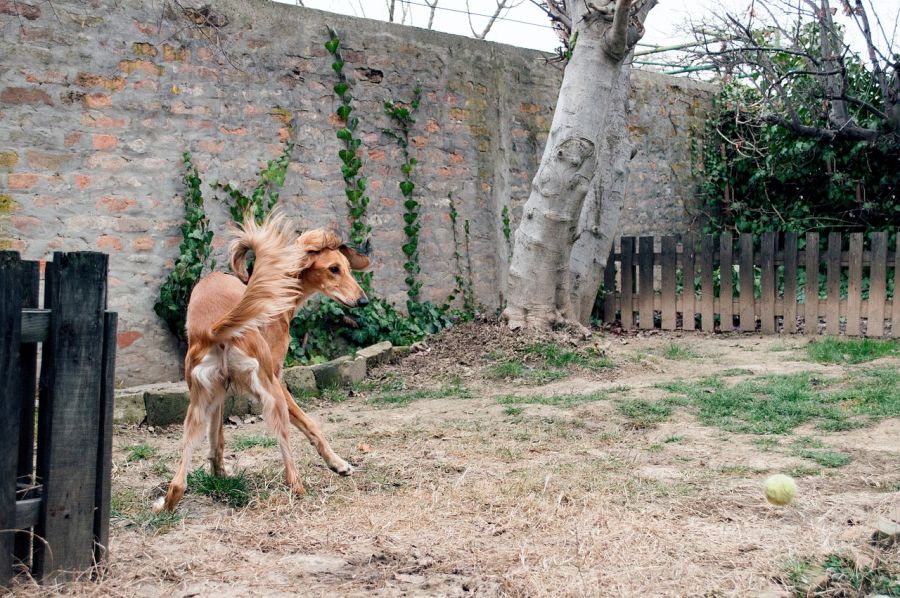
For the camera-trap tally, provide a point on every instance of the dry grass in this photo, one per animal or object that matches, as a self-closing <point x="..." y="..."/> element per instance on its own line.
<point x="554" y="497"/>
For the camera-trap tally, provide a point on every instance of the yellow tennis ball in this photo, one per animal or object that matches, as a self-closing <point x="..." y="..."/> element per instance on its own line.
<point x="780" y="489"/>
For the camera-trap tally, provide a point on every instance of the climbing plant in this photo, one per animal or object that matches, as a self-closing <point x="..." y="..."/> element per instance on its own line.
<point x="265" y="193"/>
<point x="193" y="256"/>
<point x="354" y="183"/>
<point x="402" y="115"/>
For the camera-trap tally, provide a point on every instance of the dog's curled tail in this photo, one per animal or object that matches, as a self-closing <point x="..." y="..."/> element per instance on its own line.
<point x="273" y="289"/>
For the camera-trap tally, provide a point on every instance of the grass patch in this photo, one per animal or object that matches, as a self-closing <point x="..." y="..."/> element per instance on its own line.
<point x="732" y="372"/>
<point x="242" y="443"/>
<point x="824" y="457"/>
<point x="677" y="352"/>
<point x="565" y="400"/>
<point x="851" y="351"/>
<point x="840" y="575"/>
<point x="400" y="397"/>
<point x="673" y="439"/>
<point x="125" y="506"/>
<point x="644" y="413"/>
<point x="542" y="363"/>
<point x="778" y="404"/>
<point x="234" y="490"/>
<point x="512" y="411"/>
<point x="803" y="472"/>
<point x="139" y="452"/>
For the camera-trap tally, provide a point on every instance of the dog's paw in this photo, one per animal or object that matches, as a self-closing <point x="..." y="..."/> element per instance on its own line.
<point x="341" y="467"/>
<point x="158" y="505"/>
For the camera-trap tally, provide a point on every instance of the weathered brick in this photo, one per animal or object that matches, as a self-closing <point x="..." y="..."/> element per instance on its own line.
<point x="8" y="159"/>
<point x="25" y="95"/>
<point x="95" y="80"/>
<point x="171" y="53"/>
<point x="144" y="49"/>
<point x="108" y="243"/>
<point x="127" y="338"/>
<point x="112" y="203"/>
<point x="20" y="9"/>
<point x="143" y="244"/>
<point x="104" y="142"/>
<point x="22" y="181"/>
<point x="139" y="65"/>
<point x="97" y="100"/>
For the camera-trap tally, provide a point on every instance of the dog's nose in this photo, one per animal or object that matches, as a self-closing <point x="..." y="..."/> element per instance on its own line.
<point x="362" y="302"/>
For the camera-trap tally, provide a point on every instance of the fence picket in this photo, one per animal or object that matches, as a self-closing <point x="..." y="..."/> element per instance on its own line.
<point x="104" y="453"/>
<point x="30" y="283"/>
<point x="645" y="283"/>
<point x="790" y="282"/>
<point x="669" y="297"/>
<point x="877" y="285"/>
<point x="895" y="311"/>
<point x="833" y="285"/>
<point x="854" y="285"/>
<point x="688" y="296"/>
<point x="707" y="284"/>
<point x="726" y="282"/>
<point x="811" y="292"/>
<point x="627" y="274"/>
<point x="748" y="307"/>
<point x="11" y="296"/>
<point x="75" y="292"/>
<point x="767" y="283"/>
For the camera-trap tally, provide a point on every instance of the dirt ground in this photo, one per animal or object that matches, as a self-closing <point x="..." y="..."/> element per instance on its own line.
<point x="485" y="496"/>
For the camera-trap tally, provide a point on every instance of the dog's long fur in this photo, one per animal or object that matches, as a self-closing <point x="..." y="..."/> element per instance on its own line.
<point x="238" y="335"/>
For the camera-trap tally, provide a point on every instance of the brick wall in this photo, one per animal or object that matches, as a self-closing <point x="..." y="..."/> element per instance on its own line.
<point x="99" y="99"/>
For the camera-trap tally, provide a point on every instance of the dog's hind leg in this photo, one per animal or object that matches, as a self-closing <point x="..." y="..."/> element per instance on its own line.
<point x="217" y="439"/>
<point x="193" y="430"/>
<point x="276" y="415"/>
<point x="313" y="433"/>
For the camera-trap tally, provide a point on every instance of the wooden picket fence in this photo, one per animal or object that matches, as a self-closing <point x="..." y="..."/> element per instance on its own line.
<point x="55" y="476"/>
<point x="642" y="279"/>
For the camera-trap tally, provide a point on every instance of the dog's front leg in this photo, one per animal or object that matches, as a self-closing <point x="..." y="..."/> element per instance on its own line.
<point x="313" y="433"/>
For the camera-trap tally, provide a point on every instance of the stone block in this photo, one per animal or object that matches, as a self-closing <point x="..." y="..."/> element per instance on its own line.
<point x="398" y="353"/>
<point x="166" y="404"/>
<point x="328" y="374"/>
<point x="376" y="354"/>
<point x="300" y="380"/>
<point x="128" y="407"/>
<point x="353" y="371"/>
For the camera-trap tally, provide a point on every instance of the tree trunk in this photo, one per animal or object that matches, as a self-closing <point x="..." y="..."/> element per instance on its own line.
<point x="602" y="209"/>
<point x="576" y="160"/>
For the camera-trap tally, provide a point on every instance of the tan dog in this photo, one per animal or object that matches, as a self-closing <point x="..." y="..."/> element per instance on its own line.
<point x="239" y="335"/>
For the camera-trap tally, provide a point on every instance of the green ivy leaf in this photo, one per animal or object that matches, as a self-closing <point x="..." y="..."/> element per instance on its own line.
<point x="406" y="187"/>
<point x="332" y="45"/>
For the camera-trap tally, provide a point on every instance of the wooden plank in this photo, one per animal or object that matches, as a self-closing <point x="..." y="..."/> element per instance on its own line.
<point x="669" y="295"/>
<point x="35" y="322"/>
<point x="877" y="285"/>
<point x="104" y="453"/>
<point x="748" y="302"/>
<point x="70" y="390"/>
<point x="30" y="282"/>
<point x="790" y="282"/>
<point x="767" y="283"/>
<point x="689" y="297"/>
<point x="707" y="284"/>
<point x="811" y="292"/>
<point x="854" y="285"/>
<point x="833" y="285"/>
<point x="726" y="282"/>
<point x="11" y="297"/>
<point x="627" y="275"/>
<point x="645" y="283"/>
<point x="609" y="289"/>
<point x="27" y="512"/>
<point x="895" y="311"/>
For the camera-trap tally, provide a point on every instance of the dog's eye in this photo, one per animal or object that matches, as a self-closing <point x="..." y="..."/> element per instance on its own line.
<point x="334" y="269"/>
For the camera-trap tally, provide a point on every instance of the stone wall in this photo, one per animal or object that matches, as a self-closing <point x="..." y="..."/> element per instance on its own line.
<point x="99" y="99"/>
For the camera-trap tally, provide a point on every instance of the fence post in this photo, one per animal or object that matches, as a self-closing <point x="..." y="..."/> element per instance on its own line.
<point x="707" y="292"/>
<point x="609" y="287"/>
<point x="767" y="283"/>
<point x="689" y="296"/>
<point x="895" y="308"/>
<point x="30" y="282"/>
<point x="69" y="412"/>
<point x="833" y="285"/>
<point x="854" y="285"/>
<point x="748" y="303"/>
<point x="669" y="292"/>
<point x="790" y="282"/>
<point x="645" y="282"/>
<point x="726" y="282"/>
<point x="811" y="311"/>
<point x="10" y="397"/>
<point x="877" y="285"/>
<point x="104" y="444"/>
<point x="627" y="274"/>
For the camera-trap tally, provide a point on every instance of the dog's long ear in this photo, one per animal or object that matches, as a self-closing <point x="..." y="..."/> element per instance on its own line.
<point x="358" y="261"/>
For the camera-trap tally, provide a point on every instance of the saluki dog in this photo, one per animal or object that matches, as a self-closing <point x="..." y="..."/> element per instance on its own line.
<point x="238" y="335"/>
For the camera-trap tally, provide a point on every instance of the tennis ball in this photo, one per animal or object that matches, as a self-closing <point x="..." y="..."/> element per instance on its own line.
<point x="780" y="489"/>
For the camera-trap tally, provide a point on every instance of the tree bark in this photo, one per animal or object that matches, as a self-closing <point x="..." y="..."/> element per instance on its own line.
<point x="576" y="160"/>
<point x="599" y="222"/>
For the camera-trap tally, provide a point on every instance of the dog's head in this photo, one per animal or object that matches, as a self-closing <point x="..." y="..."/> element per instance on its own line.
<point x="327" y="267"/>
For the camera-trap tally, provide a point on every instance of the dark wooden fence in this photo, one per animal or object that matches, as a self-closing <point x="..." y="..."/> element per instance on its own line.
<point x="766" y="283"/>
<point x="55" y="475"/>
